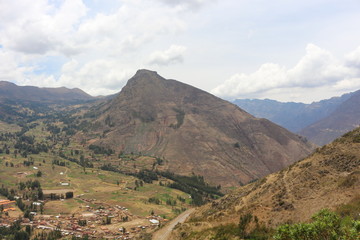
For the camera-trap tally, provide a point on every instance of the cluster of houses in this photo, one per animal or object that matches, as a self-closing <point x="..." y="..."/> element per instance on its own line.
<point x="95" y="219"/>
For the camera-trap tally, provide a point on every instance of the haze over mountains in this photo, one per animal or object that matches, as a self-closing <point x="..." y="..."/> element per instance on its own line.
<point x="321" y="122"/>
<point x="194" y="131"/>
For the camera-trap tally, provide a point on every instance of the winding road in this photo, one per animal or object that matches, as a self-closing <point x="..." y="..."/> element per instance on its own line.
<point x="164" y="233"/>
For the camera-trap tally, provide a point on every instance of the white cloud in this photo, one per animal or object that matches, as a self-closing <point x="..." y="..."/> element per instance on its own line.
<point x="353" y="58"/>
<point x="317" y="69"/>
<point x="70" y="42"/>
<point x="9" y="67"/>
<point x="100" y="50"/>
<point x="187" y="4"/>
<point x="40" y="28"/>
<point x="175" y="54"/>
<point x="99" y="77"/>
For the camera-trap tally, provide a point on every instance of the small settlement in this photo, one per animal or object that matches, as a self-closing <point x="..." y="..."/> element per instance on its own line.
<point x="94" y="219"/>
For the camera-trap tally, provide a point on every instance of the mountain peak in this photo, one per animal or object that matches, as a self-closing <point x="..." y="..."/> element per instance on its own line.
<point x="144" y="76"/>
<point x="145" y="71"/>
<point x="195" y="131"/>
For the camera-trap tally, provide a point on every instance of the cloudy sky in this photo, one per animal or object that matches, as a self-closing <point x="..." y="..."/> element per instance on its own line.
<point x="285" y="50"/>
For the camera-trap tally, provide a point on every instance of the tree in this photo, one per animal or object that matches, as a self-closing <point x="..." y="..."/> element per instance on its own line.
<point x="42" y="208"/>
<point x="244" y="221"/>
<point x="40" y="193"/>
<point x="39" y="174"/>
<point x="69" y="195"/>
<point x="21" y="235"/>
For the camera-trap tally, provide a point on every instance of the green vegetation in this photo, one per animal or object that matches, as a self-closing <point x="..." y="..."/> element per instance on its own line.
<point x="195" y="185"/>
<point x="351" y="209"/>
<point x="101" y="150"/>
<point x="325" y="225"/>
<point x="180" y="115"/>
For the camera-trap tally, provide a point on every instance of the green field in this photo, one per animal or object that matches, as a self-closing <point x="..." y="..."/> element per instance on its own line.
<point x="108" y="187"/>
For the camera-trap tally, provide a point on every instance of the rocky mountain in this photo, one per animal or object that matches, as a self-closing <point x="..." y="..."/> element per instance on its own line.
<point x="343" y="119"/>
<point x="13" y="92"/>
<point x="329" y="178"/>
<point x="193" y="131"/>
<point x="292" y="116"/>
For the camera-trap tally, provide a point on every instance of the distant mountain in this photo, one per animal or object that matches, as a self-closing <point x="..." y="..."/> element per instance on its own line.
<point x="328" y="178"/>
<point x="11" y="91"/>
<point x="193" y="131"/>
<point x="28" y="102"/>
<point x="293" y="116"/>
<point x="343" y="119"/>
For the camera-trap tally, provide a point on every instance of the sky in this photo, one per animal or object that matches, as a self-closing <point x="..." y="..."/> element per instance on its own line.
<point x="300" y="51"/>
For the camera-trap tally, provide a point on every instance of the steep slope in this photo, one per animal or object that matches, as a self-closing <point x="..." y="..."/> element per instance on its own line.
<point x="292" y="116"/>
<point x="328" y="178"/>
<point x="345" y="118"/>
<point x="11" y="91"/>
<point x="194" y="131"/>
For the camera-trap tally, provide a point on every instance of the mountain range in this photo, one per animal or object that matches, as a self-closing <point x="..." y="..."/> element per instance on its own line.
<point x="11" y="91"/>
<point x="28" y="102"/>
<point x="321" y="122"/>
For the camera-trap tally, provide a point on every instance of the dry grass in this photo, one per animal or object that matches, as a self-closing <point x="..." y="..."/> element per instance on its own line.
<point x="327" y="179"/>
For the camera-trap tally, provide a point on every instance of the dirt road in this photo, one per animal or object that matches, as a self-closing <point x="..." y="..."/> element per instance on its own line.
<point x="164" y="233"/>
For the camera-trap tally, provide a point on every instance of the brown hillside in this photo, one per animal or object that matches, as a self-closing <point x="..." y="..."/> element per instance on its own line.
<point x="328" y="178"/>
<point x="194" y="131"/>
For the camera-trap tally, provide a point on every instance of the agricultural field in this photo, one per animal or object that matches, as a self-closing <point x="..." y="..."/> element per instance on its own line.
<point x="70" y="181"/>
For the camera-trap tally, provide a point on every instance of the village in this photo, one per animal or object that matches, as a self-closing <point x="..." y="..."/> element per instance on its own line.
<point x="96" y="221"/>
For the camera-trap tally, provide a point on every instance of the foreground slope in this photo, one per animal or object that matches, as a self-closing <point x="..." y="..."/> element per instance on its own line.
<point x="328" y="178"/>
<point x="194" y="131"/>
<point x="343" y="119"/>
